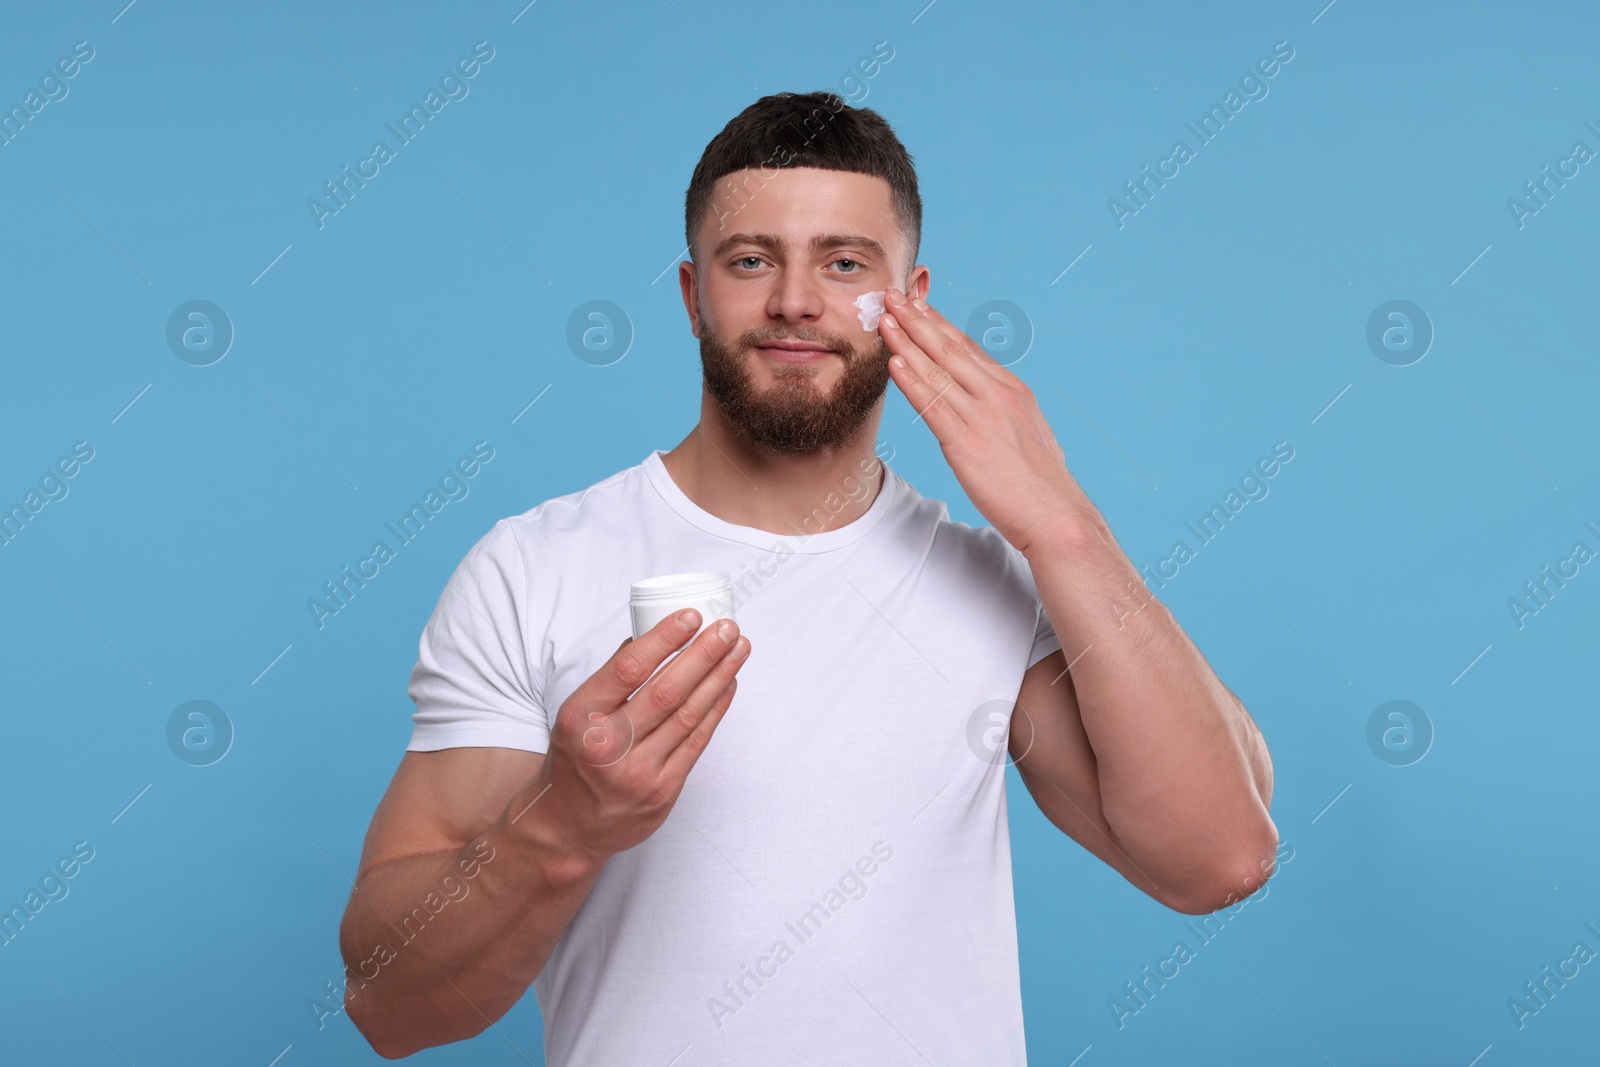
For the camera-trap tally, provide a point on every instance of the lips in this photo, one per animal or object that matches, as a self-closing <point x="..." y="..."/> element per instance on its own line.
<point x="794" y="350"/>
<point x="796" y="346"/>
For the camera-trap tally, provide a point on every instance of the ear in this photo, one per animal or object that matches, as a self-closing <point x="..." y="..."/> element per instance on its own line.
<point x="918" y="284"/>
<point x="689" y="282"/>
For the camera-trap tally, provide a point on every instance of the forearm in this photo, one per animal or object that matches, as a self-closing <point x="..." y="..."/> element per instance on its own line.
<point x="428" y="962"/>
<point x="1184" y="776"/>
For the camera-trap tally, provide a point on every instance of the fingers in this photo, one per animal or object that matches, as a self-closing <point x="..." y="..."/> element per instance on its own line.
<point x="682" y="759"/>
<point x="688" y="719"/>
<point x="931" y="390"/>
<point x="915" y="310"/>
<point x="634" y="661"/>
<point x="933" y="403"/>
<point x="969" y="344"/>
<point x="660" y="705"/>
<point x="943" y="344"/>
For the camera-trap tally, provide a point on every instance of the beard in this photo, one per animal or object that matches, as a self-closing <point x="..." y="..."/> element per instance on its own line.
<point x="794" y="416"/>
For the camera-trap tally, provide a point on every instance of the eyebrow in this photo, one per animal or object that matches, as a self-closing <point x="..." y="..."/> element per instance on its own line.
<point x="821" y="243"/>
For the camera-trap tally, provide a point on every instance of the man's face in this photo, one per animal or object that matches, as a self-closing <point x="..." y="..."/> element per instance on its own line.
<point x="780" y="259"/>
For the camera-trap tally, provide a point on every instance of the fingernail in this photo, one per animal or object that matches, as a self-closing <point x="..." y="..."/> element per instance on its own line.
<point x="894" y="296"/>
<point x="889" y="321"/>
<point x="920" y="304"/>
<point x="689" y="620"/>
<point x="726" y="630"/>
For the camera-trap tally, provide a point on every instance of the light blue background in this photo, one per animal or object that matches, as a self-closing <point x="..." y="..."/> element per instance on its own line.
<point x="1225" y="316"/>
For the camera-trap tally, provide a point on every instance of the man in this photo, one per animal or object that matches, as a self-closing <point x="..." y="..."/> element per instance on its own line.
<point x="816" y="870"/>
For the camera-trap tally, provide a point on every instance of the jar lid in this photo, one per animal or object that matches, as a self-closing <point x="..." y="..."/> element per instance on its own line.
<point x="687" y="586"/>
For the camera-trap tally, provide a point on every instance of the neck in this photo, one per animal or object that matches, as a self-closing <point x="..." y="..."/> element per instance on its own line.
<point x="792" y="495"/>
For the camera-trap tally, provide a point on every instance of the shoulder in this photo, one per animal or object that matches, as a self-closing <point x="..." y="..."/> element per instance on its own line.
<point x="553" y="523"/>
<point x="983" y="549"/>
<point x="527" y="552"/>
<point x="979" y="551"/>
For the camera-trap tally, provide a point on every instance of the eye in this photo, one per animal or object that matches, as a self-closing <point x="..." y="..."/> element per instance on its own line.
<point x="749" y="262"/>
<point x="848" y="265"/>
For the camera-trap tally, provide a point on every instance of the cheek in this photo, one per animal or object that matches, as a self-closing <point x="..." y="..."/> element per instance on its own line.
<point x="846" y="315"/>
<point x="709" y="320"/>
<point x="725" y="308"/>
<point x="722" y="326"/>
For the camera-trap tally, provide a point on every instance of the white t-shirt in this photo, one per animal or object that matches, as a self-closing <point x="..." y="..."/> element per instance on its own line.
<point x="834" y="883"/>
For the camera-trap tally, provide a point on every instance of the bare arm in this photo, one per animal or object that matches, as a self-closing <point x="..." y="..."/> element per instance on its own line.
<point x="1141" y="753"/>
<point x="456" y="907"/>
<point x="478" y="858"/>
<point x="1180" y="777"/>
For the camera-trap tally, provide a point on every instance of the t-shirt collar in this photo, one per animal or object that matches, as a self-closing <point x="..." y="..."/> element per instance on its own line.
<point x="808" y="537"/>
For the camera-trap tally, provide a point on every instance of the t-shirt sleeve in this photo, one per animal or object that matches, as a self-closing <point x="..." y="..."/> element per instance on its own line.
<point x="1045" y="640"/>
<point x="474" y="683"/>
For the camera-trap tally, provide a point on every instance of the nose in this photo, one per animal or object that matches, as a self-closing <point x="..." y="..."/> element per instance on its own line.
<point x="796" y="296"/>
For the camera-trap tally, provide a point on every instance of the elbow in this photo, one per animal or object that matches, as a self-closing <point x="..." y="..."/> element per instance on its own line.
<point x="395" y="1031"/>
<point x="390" y="1052"/>
<point x="385" y="1043"/>
<point x="382" y="1043"/>
<point x="1243" y="876"/>
<point x="366" y="1013"/>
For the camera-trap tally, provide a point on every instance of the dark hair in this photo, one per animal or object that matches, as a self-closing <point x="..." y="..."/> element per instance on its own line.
<point x="808" y="130"/>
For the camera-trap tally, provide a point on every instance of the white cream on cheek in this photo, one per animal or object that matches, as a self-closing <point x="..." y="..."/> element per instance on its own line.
<point x="869" y="308"/>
